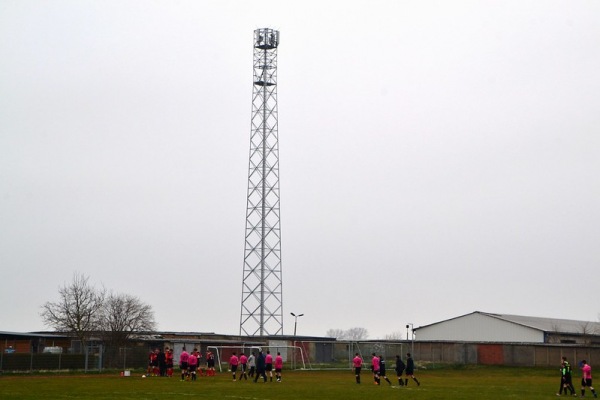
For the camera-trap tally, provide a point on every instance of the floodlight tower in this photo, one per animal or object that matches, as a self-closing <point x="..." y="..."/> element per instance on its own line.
<point x="262" y="304"/>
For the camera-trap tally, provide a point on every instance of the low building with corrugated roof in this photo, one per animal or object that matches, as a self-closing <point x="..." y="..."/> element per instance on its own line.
<point x="481" y="326"/>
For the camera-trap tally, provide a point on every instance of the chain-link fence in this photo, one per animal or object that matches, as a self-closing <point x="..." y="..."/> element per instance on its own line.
<point x="298" y="354"/>
<point x="48" y="361"/>
<point x="126" y="358"/>
<point x="97" y="359"/>
<point x="509" y="354"/>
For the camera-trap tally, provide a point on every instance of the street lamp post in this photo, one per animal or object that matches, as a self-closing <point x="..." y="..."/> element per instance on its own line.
<point x="295" y="326"/>
<point x="412" y="337"/>
<point x="296" y="321"/>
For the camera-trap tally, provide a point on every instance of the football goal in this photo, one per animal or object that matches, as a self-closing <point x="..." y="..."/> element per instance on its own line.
<point x="293" y="355"/>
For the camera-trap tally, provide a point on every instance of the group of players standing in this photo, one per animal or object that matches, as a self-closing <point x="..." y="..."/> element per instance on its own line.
<point x="161" y="364"/>
<point x="189" y="364"/>
<point x="378" y="368"/>
<point x="566" y="379"/>
<point x="256" y="366"/>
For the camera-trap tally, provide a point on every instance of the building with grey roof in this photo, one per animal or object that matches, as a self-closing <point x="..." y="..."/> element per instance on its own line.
<point x="481" y="326"/>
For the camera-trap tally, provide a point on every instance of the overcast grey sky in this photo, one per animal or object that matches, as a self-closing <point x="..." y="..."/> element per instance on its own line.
<point x="437" y="158"/>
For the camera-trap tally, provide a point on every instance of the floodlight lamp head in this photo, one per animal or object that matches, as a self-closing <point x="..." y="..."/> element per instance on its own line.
<point x="266" y="38"/>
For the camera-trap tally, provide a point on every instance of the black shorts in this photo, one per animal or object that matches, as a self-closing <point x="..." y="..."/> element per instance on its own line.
<point x="399" y="373"/>
<point x="586" y="382"/>
<point x="211" y="363"/>
<point x="277" y="369"/>
<point x="183" y="366"/>
<point x="233" y="368"/>
<point x="243" y="367"/>
<point x="357" y="370"/>
<point x="192" y="368"/>
<point x="269" y="367"/>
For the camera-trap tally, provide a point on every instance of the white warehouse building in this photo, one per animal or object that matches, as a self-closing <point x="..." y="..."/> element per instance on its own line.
<point x="505" y="328"/>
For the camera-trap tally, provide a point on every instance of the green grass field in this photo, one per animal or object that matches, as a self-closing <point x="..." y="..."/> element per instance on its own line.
<point x="447" y="383"/>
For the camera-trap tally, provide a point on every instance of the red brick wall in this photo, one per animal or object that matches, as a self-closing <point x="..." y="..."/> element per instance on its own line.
<point x="490" y="354"/>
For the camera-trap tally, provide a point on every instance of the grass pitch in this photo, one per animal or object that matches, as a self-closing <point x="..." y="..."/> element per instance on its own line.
<point x="448" y="383"/>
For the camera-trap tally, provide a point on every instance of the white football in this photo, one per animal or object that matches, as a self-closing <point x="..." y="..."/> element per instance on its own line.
<point x="143" y="376"/>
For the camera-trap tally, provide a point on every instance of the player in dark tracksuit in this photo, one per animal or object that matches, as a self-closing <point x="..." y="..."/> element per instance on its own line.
<point x="410" y="370"/>
<point x="400" y="366"/>
<point x="260" y="367"/>
<point x="382" y="369"/>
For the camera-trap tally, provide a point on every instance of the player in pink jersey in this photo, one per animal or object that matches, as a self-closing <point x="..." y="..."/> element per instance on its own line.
<point x="233" y="364"/>
<point x="586" y="378"/>
<point x="278" y="366"/>
<point x="269" y="364"/>
<point x="193" y="364"/>
<point x="243" y="366"/>
<point x="183" y="363"/>
<point x="357" y="364"/>
<point x="375" y="368"/>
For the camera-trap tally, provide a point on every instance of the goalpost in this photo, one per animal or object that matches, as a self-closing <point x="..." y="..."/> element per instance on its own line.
<point x="218" y="353"/>
<point x="294" y="351"/>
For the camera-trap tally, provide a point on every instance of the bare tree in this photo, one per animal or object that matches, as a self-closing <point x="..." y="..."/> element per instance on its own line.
<point x="555" y="335"/>
<point x="586" y="331"/>
<point x="77" y="311"/>
<point x="335" y="333"/>
<point x="357" y="333"/>
<point x="396" y="335"/>
<point x="349" y="334"/>
<point x="123" y="315"/>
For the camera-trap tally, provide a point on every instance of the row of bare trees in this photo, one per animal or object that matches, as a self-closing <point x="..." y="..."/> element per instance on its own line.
<point x="359" y="334"/>
<point x="84" y="310"/>
<point x="348" y="334"/>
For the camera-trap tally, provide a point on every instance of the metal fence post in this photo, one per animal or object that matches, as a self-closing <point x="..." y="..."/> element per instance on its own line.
<point x="100" y="353"/>
<point x="85" y="358"/>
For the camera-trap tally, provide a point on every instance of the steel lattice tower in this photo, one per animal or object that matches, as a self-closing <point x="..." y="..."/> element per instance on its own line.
<point x="262" y="304"/>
